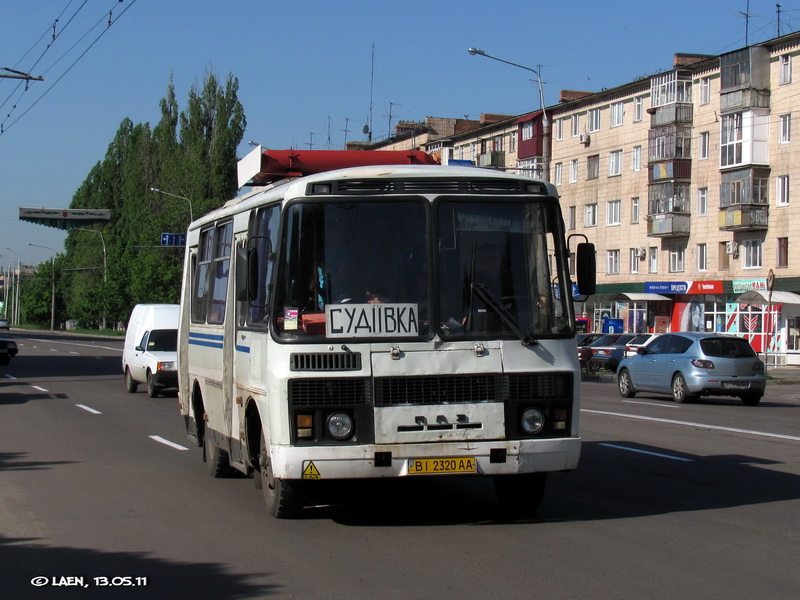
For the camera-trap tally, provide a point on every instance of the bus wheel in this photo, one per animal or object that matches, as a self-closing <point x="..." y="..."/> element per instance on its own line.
<point x="216" y="459"/>
<point x="281" y="495"/>
<point x="520" y="495"/>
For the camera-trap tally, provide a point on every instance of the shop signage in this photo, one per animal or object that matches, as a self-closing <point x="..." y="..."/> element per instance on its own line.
<point x="666" y="287"/>
<point x="740" y="286"/>
<point x="704" y="287"/>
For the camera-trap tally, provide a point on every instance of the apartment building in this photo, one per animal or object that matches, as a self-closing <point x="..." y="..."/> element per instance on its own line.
<point x="683" y="181"/>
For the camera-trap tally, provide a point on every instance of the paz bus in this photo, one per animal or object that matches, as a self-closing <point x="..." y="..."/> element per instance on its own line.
<point x="382" y="321"/>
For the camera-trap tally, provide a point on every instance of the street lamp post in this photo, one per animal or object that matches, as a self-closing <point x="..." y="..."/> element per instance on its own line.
<point x="52" y="285"/>
<point x="105" y="266"/>
<point x="545" y="120"/>
<point x="191" y="211"/>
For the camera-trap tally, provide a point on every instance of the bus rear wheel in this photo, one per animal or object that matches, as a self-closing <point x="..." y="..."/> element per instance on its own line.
<point x="281" y="496"/>
<point x="520" y="495"/>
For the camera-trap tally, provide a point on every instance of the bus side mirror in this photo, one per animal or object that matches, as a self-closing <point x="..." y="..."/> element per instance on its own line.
<point x="586" y="269"/>
<point x="246" y="273"/>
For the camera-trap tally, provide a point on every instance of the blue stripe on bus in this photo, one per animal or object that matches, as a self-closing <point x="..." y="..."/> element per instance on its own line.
<point x="205" y="339"/>
<point x="245" y="349"/>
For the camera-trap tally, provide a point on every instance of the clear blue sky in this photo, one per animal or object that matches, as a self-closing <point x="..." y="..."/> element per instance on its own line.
<point x="304" y="67"/>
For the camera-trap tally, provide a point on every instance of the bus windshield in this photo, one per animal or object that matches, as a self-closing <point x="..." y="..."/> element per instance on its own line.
<point x="363" y="270"/>
<point x="501" y="269"/>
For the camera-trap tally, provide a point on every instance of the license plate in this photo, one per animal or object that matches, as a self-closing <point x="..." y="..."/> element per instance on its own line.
<point x="735" y="385"/>
<point x="461" y="464"/>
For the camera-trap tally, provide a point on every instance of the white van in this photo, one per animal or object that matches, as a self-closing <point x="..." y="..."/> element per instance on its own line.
<point x="151" y="348"/>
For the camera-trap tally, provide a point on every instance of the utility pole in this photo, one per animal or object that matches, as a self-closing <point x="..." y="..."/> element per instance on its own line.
<point x="13" y="74"/>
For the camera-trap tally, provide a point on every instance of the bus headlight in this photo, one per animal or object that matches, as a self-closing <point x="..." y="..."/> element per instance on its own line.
<point x="532" y="420"/>
<point x="340" y="425"/>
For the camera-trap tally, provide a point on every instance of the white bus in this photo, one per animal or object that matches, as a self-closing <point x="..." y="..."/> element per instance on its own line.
<point x="383" y="321"/>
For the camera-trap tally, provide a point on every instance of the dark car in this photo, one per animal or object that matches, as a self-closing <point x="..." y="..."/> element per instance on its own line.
<point x="8" y="350"/>
<point x="689" y="365"/>
<point x="584" y="352"/>
<point x="5" y="323"/>
<point x="607" y="351"/>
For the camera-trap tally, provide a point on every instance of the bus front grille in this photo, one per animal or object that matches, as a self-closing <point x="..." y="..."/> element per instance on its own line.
<point x="325" y="361"/>
<point x="329" y="392"/>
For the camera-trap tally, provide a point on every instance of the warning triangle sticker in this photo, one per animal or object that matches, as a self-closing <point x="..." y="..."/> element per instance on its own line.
<point x="311" y="472"/>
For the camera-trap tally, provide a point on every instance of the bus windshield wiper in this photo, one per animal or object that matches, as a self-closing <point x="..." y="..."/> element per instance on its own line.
<point x="490" y="300"/>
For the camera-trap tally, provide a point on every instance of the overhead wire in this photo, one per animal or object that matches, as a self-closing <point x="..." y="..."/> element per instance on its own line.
<point x="107" y="16"/>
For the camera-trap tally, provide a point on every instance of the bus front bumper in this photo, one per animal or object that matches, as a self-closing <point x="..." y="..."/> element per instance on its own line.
<point x="400" y="460"/>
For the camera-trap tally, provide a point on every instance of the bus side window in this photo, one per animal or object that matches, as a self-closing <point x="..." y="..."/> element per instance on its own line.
<point x="221" y="271"/>
<point x="264" y="240"/>
<point x="201" y="273"/>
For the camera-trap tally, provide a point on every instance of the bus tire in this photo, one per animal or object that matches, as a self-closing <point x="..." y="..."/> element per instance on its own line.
<point x="280" y="495"/>
<point x="130" y="383"/>
<point x="216" y="459"/>
<point x="520" y="495"/>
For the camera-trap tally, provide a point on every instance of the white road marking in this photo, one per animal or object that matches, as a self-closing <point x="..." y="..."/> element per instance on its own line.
<point x="647" y="452"/>
<point x="780" y="436"/>
<point x="41" y="389"/>
<point x="161" y="440"/>
<point x="652" y="404"/>
<point x="9" y="376"/>
<point x="77" y="344"/>
<point x="89" y="409"/>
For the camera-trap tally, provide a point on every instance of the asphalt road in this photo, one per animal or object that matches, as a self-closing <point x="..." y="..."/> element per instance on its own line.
<point x="100" y="488"/>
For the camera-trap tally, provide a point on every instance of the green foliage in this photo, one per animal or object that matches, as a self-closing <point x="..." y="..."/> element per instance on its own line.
<point x="106" y="271"/>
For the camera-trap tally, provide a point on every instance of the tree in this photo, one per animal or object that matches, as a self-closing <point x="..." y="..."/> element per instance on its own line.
<point x="189" y="153"/>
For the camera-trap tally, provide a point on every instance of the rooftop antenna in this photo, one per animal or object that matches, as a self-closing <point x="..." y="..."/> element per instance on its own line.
<point x="310" y="143"/>
<point x="368" y="127"/>
<point x="329" y="143"/>
<point x="346" y="131"/>
<point x="778" y="7"/>
<point x="391" y="104"/>
<point x="746" y="15"/>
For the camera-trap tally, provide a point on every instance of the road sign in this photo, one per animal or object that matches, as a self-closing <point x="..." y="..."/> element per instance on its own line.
<point x="173" y="239"/>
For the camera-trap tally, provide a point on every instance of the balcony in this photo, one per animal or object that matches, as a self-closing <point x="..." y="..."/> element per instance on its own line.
<point x="674" y="169"/>
<point x="492" y="159"/>
<point x="744" y="217"/>
<point x="668" y="225"/>
<point x="670" y="115"/>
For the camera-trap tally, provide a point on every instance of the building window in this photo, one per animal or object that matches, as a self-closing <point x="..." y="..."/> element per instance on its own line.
<point x="634" y="261"/>
<point x="593" y="167"/>
<point x="702" y="202"/>
<point x="705" y="90"/>
<point x="638" y="109"/>
<point x="558" y="174"/>
<point x="744" y="187"/>
<point x="571" y="218"/>
<point x="613" y="212"/>
<point x="559" y="129"/>
<point x="785" y="129"/>
<point x="752" y="254"/>
<point x="653" y="259"/>
<point x="612" y="262"/>
<point x="573" y="170"/>
<point x="617" y="113"/>
<point x="527" y="130"/>
<point x="786" y="69"/>
<point x="575" y="124"/>
<point x="782" y="257"/>
<point x="594" y="119"/>
<point x="590" y="218"/>
<point x="704" y="144"/>
<point x="782" y="190"/>
<point x="731" y="140"/>
<point x="701" y="255"/>
<point x="670" y="88"/>
<point x="636" y="158"/>
<point x="512" y="142"/>
<point x="735" y="69"/>
<point x="724" y="257"/>
<point x="615" y="163"/>
<point x="676" y="259"/>
<point x="634" y="210"/>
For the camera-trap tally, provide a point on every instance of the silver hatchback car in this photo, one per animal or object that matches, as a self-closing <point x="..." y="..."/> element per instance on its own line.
<point x="688" y="365"/>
